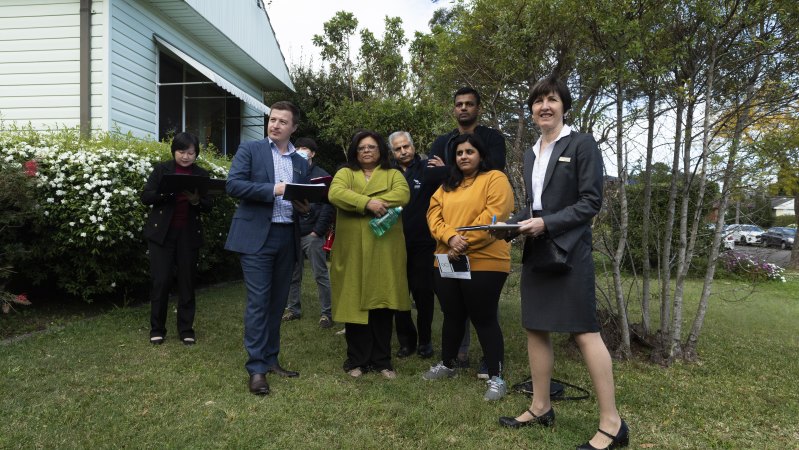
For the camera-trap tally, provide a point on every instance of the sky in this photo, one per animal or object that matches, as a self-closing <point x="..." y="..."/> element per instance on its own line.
<point x="295" y="22"/>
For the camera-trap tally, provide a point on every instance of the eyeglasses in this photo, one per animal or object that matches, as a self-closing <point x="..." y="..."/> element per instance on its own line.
<point x="367" y="148"/>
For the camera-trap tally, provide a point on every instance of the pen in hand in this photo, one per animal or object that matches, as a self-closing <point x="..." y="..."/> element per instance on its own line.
<point x="494" y="220"/>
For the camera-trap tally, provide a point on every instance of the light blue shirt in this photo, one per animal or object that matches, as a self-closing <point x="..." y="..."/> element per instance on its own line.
<point x="284" y="172"/>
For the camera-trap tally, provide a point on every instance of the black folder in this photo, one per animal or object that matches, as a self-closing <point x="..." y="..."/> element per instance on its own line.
<point x="314" y="193"/>
<point x="178" y="183"/>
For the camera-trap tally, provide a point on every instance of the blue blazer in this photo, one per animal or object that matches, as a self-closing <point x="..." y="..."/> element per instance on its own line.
<point x="252" y="180"/>
<point x="572" y="193"/>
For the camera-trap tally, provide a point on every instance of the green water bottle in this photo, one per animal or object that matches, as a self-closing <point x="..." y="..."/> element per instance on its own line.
<point x="380" y="225"/>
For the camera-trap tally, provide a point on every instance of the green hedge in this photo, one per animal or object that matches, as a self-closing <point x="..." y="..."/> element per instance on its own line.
<point x="85" y="233"/>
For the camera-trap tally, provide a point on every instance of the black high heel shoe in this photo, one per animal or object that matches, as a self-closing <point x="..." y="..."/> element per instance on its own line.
<point x="547" y="420"/>
<point x="622" y="439"/>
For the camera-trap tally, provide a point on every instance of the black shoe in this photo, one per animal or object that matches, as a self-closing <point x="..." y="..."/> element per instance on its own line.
<point x="405" y="352"/>
<point x="277" y="370"/>
<point x="622" y="439"/>
<point x="547" y="420"/>
<point x="156" y="340"/>
<point x="258" y="384"/>
<point x="425" y="351"/>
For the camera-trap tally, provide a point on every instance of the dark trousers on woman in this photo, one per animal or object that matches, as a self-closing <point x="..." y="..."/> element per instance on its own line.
<point x="420" y="283"/>
<point x="175" y="254"/>
<point x="477" y="300"/>
<point x="369" y="345"/>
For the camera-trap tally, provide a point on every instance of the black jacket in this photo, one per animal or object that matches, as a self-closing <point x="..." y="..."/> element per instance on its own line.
<point x="493" y="140"/>
<point x="414" y="214"/>
<point x="163" y="206"/>
<point x="320" y="217"/>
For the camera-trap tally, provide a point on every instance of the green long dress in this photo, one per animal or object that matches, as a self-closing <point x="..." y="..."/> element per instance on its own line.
<point x="367" y="272"/>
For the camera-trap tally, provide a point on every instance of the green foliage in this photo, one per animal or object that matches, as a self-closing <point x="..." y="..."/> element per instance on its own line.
<point x="85" y="234"/>
<point x="784" y="221"/>
<point x="607" y="232"/>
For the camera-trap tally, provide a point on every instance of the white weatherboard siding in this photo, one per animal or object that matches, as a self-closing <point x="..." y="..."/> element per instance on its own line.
<point x="133" y="67"/>
<point x="40" y="62"/>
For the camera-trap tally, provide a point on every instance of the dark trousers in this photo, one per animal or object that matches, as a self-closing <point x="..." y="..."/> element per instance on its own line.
<point x="176" y="253"/>
<point x="476" y="299"/>
<point x="420" y="283"/>
<point x="369" y="345"/>
<point x="267" y="275"/>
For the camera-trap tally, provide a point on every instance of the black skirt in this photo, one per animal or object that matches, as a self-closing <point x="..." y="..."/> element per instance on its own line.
<point x="562" y="302"/>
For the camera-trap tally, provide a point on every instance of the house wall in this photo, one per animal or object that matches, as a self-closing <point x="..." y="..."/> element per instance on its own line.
<point x="134" y="66"/>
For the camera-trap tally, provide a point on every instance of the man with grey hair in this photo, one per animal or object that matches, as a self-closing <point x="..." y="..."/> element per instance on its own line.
<point x="419" y="246"/>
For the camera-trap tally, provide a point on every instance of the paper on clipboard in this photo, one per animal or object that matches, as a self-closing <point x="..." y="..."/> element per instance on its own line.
<point x="459" y="269"/>
<point x="496" y="226"/>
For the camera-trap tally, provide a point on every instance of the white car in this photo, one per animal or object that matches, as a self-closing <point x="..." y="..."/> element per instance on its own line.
<point x="745" y="233"/>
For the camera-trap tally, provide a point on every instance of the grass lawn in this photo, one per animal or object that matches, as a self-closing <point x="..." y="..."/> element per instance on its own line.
<point x="98" y="383"/>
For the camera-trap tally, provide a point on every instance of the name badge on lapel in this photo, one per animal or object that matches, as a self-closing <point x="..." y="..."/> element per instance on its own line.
<point x="564" y="159"/>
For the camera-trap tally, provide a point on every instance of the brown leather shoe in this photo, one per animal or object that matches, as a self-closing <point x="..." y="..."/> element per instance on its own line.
<point x="258" y="384"/>
<point x="277" y="370"/>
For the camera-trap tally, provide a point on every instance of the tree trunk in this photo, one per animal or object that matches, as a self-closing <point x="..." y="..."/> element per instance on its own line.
<point x="650" y="144"/>
<point x="675" y="332"/>
<point x="624" y="349"/>
<point x="665" y="257"/>
<point x="794" y="264"/>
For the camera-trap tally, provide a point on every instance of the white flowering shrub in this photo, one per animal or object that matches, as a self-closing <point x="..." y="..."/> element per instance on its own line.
<point x="86" y="232"/>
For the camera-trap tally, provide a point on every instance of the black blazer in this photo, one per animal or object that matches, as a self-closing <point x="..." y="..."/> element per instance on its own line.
<point x="572" y="193"/>
<point x="163" y="206"/>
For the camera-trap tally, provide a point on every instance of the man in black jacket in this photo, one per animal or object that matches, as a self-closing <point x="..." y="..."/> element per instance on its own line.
<point x="314" y="226"/>
<point x="467" y="112"/>
<point x="419" y="246"/>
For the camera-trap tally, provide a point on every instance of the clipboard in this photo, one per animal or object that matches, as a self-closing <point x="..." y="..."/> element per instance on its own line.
<point x="314" y="193"/>
<point x="496" y="226"/>
<point x="173" y="183"/>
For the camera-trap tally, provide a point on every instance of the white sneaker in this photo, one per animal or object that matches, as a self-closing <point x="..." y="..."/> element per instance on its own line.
<point x="496" y="388"/>
<point x="438" y="372"/>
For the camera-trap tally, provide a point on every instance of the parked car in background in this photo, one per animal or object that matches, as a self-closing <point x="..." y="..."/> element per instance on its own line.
<point x="727" y="240"/>
<point x="781" y="237"/>
<point x="745" y="233"/>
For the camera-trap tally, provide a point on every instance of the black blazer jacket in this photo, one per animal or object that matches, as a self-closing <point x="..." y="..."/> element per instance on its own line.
<point x="163" y="206"/>
<point x="572" y="193"/>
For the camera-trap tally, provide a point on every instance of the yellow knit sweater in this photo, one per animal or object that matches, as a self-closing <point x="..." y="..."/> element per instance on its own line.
<point x="475" y="202"/>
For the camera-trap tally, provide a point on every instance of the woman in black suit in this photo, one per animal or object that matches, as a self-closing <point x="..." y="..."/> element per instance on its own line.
<point x="174" y="236"/>
<point x="563" y="180"/>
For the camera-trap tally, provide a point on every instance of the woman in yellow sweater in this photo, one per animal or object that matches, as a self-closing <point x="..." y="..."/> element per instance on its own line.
<point x="471" y="195"/>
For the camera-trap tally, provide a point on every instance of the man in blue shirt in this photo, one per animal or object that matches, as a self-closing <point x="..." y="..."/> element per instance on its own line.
<point x="264" y="233"/>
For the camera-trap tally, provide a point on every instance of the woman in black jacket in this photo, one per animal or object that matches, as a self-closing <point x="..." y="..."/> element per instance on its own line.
<point x="174" y="236"/>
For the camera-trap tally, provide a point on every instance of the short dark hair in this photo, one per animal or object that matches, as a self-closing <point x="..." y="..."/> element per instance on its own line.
<point x="284" y="105"/>
<point x="455" y="177"/>
<point x="183" y="140"/>
<point x="548" y="85"/>
<point x="352" y="152"/>
<point x="466" y="90"/>
<point x="307" y="143"/>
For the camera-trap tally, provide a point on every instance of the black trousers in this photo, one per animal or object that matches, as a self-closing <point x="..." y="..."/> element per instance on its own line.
<point x="476" y="299"/>
<point x="176" y="258"/>
<point x="369" y="346"/>
<point x="420" y="283"/>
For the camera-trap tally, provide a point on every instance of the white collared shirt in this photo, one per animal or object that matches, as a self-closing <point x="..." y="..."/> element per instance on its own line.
<point x="541" y="163"/>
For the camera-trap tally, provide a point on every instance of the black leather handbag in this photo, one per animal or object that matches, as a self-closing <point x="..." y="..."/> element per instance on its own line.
<point x="543" y="255"/>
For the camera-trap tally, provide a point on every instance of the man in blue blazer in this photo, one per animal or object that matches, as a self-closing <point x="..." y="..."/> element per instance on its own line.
<point x="264" y="233"/>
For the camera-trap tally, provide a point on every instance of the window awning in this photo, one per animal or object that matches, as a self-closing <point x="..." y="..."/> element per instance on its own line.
<point x="213" y="76"/>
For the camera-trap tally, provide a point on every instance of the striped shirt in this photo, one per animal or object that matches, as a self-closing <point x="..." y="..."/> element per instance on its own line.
<point x="284" y="172"/>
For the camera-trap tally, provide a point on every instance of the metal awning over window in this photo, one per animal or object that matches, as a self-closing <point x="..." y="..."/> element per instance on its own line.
<point x="213" y="76"/>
